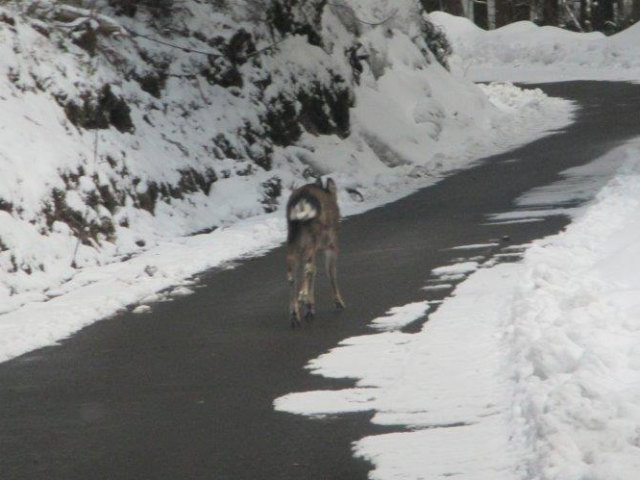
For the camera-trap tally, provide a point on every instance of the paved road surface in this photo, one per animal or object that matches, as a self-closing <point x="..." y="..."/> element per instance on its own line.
<point x="186" y="392"/>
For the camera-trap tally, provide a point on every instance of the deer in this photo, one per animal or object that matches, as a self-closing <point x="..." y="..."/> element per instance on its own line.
<point x="313" y="220"/>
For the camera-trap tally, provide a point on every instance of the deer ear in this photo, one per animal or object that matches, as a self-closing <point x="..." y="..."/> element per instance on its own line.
<point x="331" y="186"/>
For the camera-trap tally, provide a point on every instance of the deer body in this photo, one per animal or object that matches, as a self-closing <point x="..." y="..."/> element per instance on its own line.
<point x="313" y="219"/>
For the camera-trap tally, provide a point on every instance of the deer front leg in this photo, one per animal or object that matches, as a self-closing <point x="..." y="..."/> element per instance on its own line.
<point x="294" y="308"/>
<point x="331" y="260"/>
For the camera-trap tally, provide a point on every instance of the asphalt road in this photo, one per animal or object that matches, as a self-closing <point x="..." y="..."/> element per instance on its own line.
<point x="186" y="392"/>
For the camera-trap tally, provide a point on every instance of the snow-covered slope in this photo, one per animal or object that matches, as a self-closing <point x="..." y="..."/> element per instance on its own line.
<point x="524" y="52"/>
<point x="113" y="141"/>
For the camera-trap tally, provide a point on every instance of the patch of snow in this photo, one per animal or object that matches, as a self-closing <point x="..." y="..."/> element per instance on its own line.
<point x="437" y="287"/>
<point x="398" y="317"/>
<point x="456" y="269"/>
<point x="476" y="246"/>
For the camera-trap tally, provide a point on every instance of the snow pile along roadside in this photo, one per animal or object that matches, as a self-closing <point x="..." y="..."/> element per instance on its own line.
<point x="524" y="52"/>
<point x="575" y="335"/>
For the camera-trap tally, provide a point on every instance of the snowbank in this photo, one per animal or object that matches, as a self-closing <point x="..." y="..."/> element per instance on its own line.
<point x="530" y="369"/>
<point x="524" y="52"/>
<point x="574" y="333"/>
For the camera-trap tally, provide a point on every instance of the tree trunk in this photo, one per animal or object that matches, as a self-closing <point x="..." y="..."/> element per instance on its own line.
<point x="550" y="12"/>
<point x="503" y="13"/>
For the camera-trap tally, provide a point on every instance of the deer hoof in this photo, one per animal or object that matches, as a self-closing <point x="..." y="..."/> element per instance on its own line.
<point x="295" y="321"/>
<point x="310" y="312"/>
<point x="340" y="304"/>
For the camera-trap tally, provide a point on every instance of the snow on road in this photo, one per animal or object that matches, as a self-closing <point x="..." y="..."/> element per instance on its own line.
<point x="449" y="382"/>
<point x="400" y="316"/>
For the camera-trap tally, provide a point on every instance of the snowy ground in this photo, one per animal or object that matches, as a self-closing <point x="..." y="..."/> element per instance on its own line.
<point x="530" y="370"/>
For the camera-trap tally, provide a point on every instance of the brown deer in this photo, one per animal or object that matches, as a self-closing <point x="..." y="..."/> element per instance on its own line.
<point x="313" y="219"/>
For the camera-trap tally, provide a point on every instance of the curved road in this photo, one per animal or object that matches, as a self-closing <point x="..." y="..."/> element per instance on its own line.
<point x="186" y="392"/>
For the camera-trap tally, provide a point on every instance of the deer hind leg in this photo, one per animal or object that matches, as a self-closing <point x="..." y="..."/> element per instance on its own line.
<point x="311" y="303"/>
<point x="331" y="261"/>
<point x="292" y="278"/>
<point x="307" y="292"/>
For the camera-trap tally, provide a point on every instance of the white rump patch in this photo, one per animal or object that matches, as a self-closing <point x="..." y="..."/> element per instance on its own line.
<point x="303" y="210"/>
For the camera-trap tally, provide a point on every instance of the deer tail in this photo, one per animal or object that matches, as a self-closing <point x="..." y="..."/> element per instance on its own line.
<point x="303" y="209"/>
